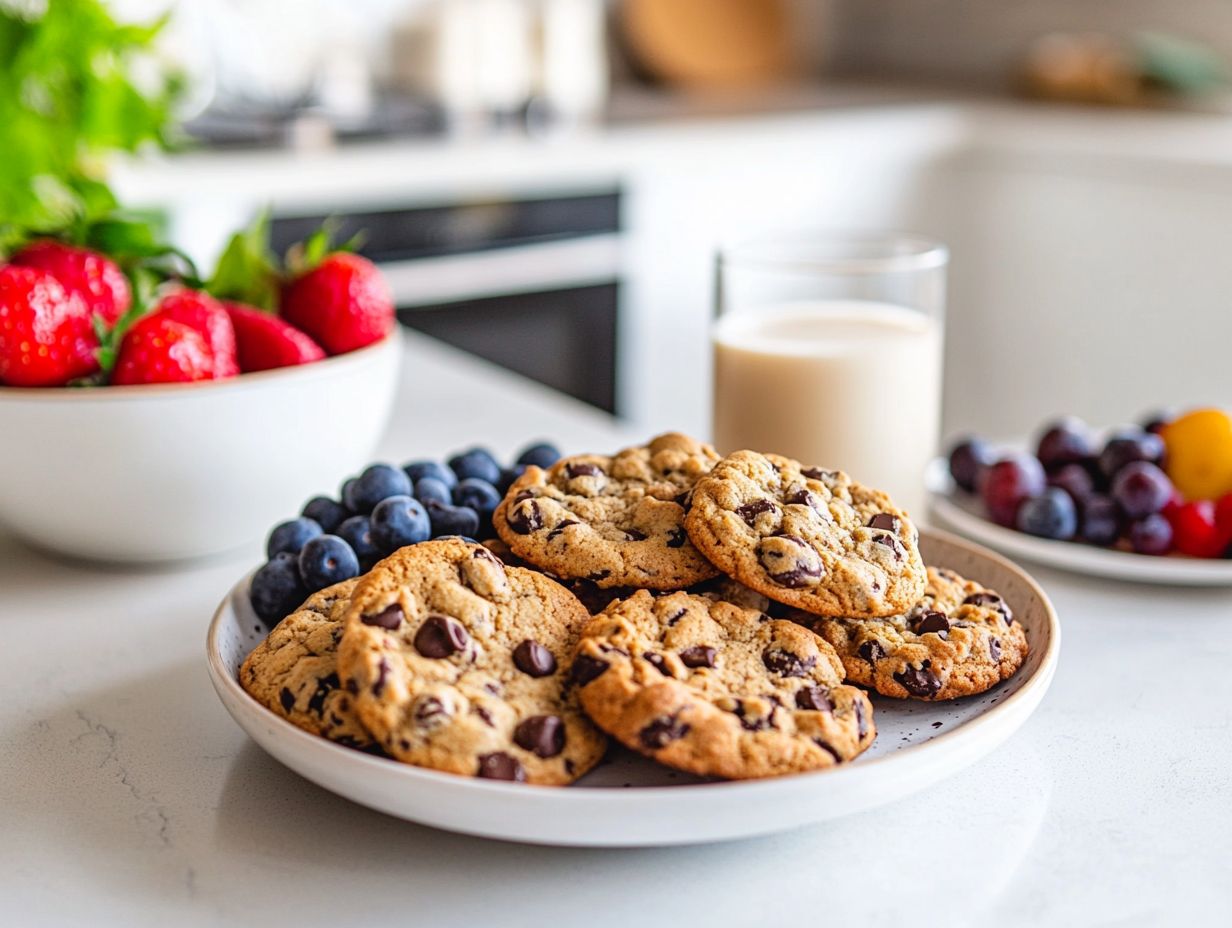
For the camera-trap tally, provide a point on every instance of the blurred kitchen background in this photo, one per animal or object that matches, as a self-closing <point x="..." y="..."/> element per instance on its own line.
<point x="545" y="181"/>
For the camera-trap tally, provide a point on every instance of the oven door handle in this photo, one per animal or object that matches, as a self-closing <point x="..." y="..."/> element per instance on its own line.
<point x="559" y="265"/>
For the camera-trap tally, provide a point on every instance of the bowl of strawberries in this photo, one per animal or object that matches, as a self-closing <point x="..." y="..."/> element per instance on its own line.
<point x="152" y="415"/>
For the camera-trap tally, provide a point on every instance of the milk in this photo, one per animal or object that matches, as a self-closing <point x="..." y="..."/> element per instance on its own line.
<point x="844" y="384"/>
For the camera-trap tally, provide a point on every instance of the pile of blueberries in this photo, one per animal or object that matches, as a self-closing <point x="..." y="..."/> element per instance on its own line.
<point x="381" y="510"/>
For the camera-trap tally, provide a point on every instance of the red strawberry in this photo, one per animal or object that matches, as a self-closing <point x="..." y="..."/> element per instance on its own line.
<point x="46" y="338"/>
<point x="265" y="341"/>
<point x="205" y="315"/>
<point x="158" y="349"/>
<point x="100" y="282"/>
<point x="344" y="303"/>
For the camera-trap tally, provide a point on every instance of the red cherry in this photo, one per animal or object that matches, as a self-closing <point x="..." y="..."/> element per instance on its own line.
<point x="1194" y="531"/>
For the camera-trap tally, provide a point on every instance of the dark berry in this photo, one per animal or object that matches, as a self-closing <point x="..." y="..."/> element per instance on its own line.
<point x="397" y="522"/>
<point x="478" y="462"/>
<point x="277" y="589"/>
<point x="418" y="470"/>
<point x="478" y="495"/>
<point x="327" y="513"/>
<point x="1052" y="514"/>
<point x="357" y="532"/>
<point x="452" y="520"/>
<point x="1151" y="535"/>
<point x="289" y="537"/>
<point x="431" y="490"/>
<point x="1154" y="422"/>
<point x="1074" y="479"/>
<point x="378" y="482"/>
<point x="1065" y="442"/>
<point x="1127" y="446"/>
<point x="1007" y="483"/>
<point x="510" y="474"/>
<point x="968" y="459"/>
<point x="1101" y="520"/>
<point x="542" y="455"/>
<point x="327" y="560"/>
<point x="1141" y="489"/>
<point x="345" y="491"/>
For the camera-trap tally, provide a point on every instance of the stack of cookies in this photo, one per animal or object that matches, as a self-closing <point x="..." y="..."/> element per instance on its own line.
<point x="721" y="616"/>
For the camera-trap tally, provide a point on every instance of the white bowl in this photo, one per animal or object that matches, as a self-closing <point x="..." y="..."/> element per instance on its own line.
<point x="632" y="801"/>
<point x="177" y="471"/>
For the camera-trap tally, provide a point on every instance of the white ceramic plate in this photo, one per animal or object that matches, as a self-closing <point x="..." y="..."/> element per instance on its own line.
<point x="631" y="801"/>
<point x="964" y="513"/>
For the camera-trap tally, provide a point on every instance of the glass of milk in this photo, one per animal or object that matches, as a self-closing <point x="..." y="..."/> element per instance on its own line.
<point x="828" y="349"/>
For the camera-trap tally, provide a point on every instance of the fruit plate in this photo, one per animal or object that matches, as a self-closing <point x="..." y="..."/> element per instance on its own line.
<point x="629" y="801"/>
<point x="963" y="513"/>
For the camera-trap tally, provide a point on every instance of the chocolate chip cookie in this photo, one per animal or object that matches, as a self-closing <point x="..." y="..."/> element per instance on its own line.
<point x="959" y="640"/>
<point x="706" y="686"/>
<point x="294" y="671"/>
<point x="615" y="521"/>
<point x="459" y="663"/>
<point x="806" y="537"/>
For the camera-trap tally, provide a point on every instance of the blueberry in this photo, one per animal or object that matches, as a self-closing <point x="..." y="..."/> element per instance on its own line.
<point x="452" y="520"/>
<point x="1141" y="489"/>
<point x="1074" y="479"/>
<point x="418" y="470"/>
<point x="968" y="459"/>
<point x="289" y="537"/>
<point x="277" y="589"/>
<point x="325" y="512"/>
<point x="345" y="491"/>
<point x="357" y="532"/>
<point x="478" y="462"/>
<point x="1065" y="442"/>
<point x="397" y="522"/>
<point x="1101" y="520"/>
<point x="478" y="495"/>
<point x="327" y="560"/>
<point x="510" y="474"/>
<point x="378" y="482"/>
<point x="1127" y="446"/>
<point x="542" y="455"/>
<point x="1052" y="514"/>
<point x="431" y="490"/>
<point x="1151" y="535"/>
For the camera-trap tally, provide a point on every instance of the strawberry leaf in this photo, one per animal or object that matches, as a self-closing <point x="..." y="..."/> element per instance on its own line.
<point x="248" y="272"/>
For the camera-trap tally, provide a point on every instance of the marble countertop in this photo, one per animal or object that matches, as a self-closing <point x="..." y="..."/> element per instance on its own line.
<point x="128" y="797"/>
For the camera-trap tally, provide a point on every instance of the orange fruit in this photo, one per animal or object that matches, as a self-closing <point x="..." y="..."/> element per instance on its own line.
<point x="1198" y="453"/>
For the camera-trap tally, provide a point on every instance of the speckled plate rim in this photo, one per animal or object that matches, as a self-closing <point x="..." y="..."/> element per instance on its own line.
<point x="948" y="505"/>
<point x="865" y="783"/>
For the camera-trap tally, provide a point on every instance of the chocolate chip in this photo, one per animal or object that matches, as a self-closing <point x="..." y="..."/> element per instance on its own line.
<point x="891" y="523"/>
<point x="675" y="538"/>
<point x="581" y="469"/>
<point x="787" y="664"/>
<point x="428" y="711"/>
<point x="988" y="598"/>
<point x="389" y="618"/>
<point x="662" y="731"/>
<point x="439" y="637"/>
<point x="816" y="473"/>
<point x="828" y="749"/>
<point x="525" y="517"/>
<point x="500" y="766"/>
<point x="382" y="671"/>
<point x="325" y="686"/>
<point x="919" y="681"/>
<point x="485" y="554"/>
<point x="893" y="544"/>
<point x="633" y="534"/>
<point x="698" y="656"/>
<point x="586" y="669"/>
<point x="871" y="650"/>
<point x="542" y="735"/>
<point x="752" y="722"/>
<point x="524" y="495"/>
<point x="861" y="721"/>
<point x="287" y="698"/>
<point x="750" y="511"/>
<point x="790" y="561"/>
<point x="560" y="527"/>
<point x="658" y="662"/>
<point x="493" y="687"/>
<point x="932" y="622"/>
<point x="533" y="659"/>
<point x="994" y="648"/>
<point x="352" y="687"/>
<point x="801" y="497"/>
<point x="816" y="698"/>
<point x="485" y="715"/>
<point x="676" y="617"/>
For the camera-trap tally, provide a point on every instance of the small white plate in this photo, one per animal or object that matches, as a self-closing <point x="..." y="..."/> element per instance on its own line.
<point x="630" y="801"/>
<point x="964" y="513"/>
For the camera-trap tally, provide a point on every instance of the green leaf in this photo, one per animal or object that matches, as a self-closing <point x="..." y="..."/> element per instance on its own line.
<point x="248" y="271"/>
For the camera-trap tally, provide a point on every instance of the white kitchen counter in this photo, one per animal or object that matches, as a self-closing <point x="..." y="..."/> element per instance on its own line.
<point x="128" y="797"/>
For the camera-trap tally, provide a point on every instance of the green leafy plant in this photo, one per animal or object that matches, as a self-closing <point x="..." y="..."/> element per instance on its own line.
<point x="68" y="98"/>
